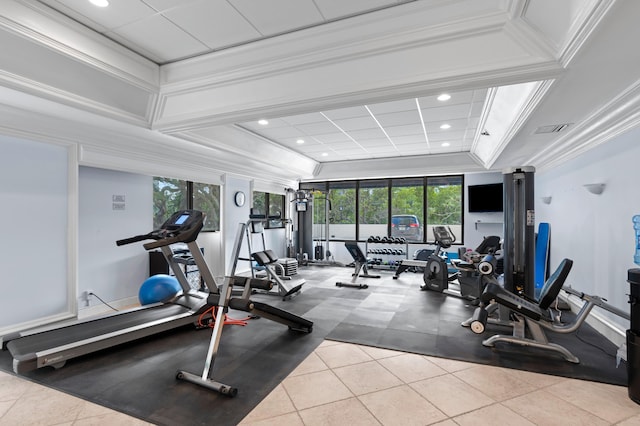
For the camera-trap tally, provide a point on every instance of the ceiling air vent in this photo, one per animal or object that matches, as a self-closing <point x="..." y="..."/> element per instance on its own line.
<point x="554" y="128"/>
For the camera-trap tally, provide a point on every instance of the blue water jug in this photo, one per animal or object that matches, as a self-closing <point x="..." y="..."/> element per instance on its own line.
<point x="636" y="226"/>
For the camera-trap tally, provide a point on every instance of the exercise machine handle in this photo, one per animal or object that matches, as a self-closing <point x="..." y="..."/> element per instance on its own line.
<point x="133" y="239"/>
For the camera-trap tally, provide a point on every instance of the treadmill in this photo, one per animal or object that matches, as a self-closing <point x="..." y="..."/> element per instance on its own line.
<point x="32" y="350"/>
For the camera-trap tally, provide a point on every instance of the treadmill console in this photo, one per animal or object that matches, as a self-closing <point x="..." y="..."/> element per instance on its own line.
<point x="182" y="227"/>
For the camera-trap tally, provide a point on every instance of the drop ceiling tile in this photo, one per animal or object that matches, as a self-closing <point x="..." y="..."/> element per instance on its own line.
<point x="410" y="139"/>
<point x="331" y="138"/>
<point x="398" y="118"/>
<point x="273" y="123"/>
<point x="312" y="149"/>
<point x="411" y="129"/>
<point x="456" y="125"/>
<point x="416" y="148"/>
<point x="281" y="132"/>
<point x="292" y="142"/>
<point x="332" y="9"/>
<point x="450" y="136"/>
<point x="385" y="150"/>
<point x="343" y="144"/>
<point x="350" y="151"/>
<point x="476" y="108"/>
<point x="119" y="12"/>
<point x="472" y="123"/>
<point x="268" y="17"/>
<point x="375" y="142"/>
<point x="164" y="5"/>
<point x="357" y="123"/>
<point x="214" y="22"/>
<point x="448" y="113"/>
<point x="168" y="41"/>
<point x="394" y="106"/>
<point x="317" y="128"/>
<point x="336" y="114"/>
<point x="314" y="117"/>
<point x="367" y="134"/>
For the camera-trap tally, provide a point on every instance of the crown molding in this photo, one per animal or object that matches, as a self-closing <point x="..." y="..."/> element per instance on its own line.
<point x="422" y="165"/>
<point x="42" y="25"/>
<point x="617" y="116"/>
<point x="40" y="89"/>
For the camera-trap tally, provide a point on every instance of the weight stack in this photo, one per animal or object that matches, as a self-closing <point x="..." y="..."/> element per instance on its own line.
<point x="289" y="265"/>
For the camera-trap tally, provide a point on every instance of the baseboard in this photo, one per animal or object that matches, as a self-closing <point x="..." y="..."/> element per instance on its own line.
<point x="613" y="332"/>
<point x="102" y="309"/>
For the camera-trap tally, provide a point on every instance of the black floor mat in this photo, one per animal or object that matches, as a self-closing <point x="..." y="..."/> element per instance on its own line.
<point x="139" y="378"/>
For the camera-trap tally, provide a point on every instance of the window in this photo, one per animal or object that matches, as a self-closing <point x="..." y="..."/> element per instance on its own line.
<point x="171" y="195"/>
<point x="407" y="209"/>
<point x="342" y="214"/>
<point x="206" y="198"/>
<point x="276" y="207"/>
<point x="259" y="202"/>
<point x="373" y="208"/>
<point x="444" y="205"/>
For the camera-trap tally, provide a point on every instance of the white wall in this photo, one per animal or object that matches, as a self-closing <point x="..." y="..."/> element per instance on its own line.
<point x="595" y="230"/>
<point x="113" y="273"/>
<point x="232" y="216"/>
<point x="37" y="272"/>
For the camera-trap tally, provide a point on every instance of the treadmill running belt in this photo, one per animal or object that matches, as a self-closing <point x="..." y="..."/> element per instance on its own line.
<point x="91" y="329"/>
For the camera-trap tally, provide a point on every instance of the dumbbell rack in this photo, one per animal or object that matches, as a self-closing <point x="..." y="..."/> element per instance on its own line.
<point x="387" y="254"/>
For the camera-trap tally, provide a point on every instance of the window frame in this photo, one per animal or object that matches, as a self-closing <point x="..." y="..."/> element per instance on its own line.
<point x="189" y="196"/>
<point x="362" y="183"/>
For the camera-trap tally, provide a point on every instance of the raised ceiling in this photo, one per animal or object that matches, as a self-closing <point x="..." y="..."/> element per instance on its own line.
<point x="356" y="81"/>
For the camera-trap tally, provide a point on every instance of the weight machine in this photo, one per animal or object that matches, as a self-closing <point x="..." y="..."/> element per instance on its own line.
<point x="279" y="271"/>
<point x="319" y="254"/>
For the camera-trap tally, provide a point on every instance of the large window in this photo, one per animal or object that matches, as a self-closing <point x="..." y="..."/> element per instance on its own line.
<point x="444" y="205"/>
<point x="171" y="195"/>
<point x="373" y="208"/>
<point x="342" y="214"/>
<point x="407" y="207"/>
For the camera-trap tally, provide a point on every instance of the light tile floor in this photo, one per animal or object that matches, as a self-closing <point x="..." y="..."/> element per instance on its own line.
<point x="346" y="384"/>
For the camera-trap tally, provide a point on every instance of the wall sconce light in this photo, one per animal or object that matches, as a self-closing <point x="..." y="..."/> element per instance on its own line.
<point x="546" y="200"/>
<point x="595" y="188"/>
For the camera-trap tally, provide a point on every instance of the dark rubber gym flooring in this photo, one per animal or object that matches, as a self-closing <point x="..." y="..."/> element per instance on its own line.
<point x="139" y="378"/>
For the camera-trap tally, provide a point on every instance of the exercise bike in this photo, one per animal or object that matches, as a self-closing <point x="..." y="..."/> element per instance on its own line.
<point x="465" y="279"/>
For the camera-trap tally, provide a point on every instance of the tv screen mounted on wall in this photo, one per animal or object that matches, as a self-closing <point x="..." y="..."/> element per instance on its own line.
<point x="485" y="198"/>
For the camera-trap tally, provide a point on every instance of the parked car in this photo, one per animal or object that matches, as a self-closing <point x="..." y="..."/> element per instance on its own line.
<point x="406" y="225"/>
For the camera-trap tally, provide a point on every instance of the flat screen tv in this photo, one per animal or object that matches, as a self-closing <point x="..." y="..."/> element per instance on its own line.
<point x="485" y="198"/>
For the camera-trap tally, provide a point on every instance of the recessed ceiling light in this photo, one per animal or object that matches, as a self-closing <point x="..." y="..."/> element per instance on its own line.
<point x="263" y="122"/>
<point x="446" y="144"/>
<point x="445" y="126"/>
<point x="324" y="154"/>
<point x="100" y="3"/>
<point x="300" y="141"/>
<point x="444" y="97"/>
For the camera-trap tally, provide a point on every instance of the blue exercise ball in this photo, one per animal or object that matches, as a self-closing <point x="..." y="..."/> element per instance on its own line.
<point x="158" y="288"/>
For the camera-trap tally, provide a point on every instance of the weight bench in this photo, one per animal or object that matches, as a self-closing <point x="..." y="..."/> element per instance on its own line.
<point x="530" y="317"/>
<point x="269" y="261"/>
<point x="360" y="262"/>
